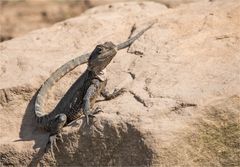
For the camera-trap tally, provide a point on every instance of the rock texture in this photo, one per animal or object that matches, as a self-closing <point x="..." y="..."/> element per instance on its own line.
<point x="183" y="77"/>
<point x="19" y="17"/>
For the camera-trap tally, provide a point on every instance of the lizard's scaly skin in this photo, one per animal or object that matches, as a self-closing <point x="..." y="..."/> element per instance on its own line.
<point x="43" y="118"/>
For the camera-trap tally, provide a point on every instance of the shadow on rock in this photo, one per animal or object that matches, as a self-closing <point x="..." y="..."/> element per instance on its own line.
<point x="29" y="131"/>
<point x="109" y="144"/>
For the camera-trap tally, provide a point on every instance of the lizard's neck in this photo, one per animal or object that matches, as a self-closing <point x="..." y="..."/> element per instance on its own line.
<point x="101" y="75"/>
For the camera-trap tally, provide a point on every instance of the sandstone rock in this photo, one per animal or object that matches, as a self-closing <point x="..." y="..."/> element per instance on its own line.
<point x="183" y="105"/>
<point x="19" y="17"/>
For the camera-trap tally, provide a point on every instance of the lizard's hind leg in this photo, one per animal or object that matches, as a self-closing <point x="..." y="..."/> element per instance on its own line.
<point x="55" y="127"/>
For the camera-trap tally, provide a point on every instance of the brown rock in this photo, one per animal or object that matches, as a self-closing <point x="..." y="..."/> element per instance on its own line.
<point x="183" y="103"/>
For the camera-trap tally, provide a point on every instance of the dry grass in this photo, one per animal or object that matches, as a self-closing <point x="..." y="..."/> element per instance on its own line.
<point x="216" y="137"/>
<point x="212" y="138"/>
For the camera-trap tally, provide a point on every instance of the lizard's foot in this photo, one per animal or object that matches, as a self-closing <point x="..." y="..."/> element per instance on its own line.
<point x="92" y="114"/>
<point x="53" y="143"/>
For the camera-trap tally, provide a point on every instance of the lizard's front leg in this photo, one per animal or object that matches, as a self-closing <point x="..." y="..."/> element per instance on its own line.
<point x="108" y="96"/>
<point x="92" y="93"/>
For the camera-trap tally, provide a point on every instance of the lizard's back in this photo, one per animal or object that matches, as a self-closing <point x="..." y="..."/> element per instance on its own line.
<point x="71" y="103"/>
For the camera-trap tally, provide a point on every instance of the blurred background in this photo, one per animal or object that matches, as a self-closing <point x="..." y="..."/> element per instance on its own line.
<point x="17" y="17"/>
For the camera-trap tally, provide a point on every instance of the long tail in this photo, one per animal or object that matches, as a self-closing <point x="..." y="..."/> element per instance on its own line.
<point x="47" y="85"/>
<point x="63" y="70"/>
<point x="134" y="38"/>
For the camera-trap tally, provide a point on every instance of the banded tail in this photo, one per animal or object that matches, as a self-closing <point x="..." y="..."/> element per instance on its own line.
<point x="134" y="38"/>
<point x="47" y="85"/>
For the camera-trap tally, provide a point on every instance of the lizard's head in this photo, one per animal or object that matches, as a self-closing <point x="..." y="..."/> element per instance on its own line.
<point x="101" y="56"/>
<point x="56" y="124"/>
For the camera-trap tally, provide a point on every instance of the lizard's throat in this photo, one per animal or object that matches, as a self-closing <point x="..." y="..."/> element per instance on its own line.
<point x="101" y="75"/>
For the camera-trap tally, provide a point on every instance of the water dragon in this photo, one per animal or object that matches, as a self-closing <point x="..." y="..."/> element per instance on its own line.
<point x="80" y="98"/>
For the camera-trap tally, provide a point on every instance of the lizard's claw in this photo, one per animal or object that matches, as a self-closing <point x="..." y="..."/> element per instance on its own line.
<point x="53" y="143"/>
<point x="59" y="136"/>
<point x="87" y="118"/>
<point x="96" y="111"/>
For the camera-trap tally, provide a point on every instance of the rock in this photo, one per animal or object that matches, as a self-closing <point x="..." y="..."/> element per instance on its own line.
<point x="20" y="17"/>
<point x="183" y="103"/>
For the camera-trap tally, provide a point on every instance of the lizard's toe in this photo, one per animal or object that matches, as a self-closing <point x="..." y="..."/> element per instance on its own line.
<point x="87" y="118"/>
<point x="97" y="110"/>
<point x="53" y="143"/>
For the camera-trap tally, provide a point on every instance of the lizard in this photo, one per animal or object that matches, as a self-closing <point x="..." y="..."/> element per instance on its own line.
<point x="80" y="98"/>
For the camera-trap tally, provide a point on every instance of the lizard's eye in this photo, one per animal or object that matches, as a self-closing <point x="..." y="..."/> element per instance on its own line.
<point x="99" y="49"/>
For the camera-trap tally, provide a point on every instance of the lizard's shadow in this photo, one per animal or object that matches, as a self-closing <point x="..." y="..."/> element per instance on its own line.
<point x="29" y="130"/>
